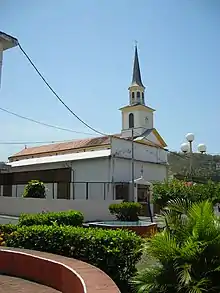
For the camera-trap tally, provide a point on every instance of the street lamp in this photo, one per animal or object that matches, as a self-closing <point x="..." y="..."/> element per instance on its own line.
<point x="6" y="42"/>
<point x="187" y="147"/>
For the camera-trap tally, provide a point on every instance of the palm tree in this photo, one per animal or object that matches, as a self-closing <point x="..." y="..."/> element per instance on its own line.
<point x="187" y="251"/>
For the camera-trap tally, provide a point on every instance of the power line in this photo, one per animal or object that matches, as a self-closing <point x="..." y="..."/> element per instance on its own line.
<point x="67" y="107"/>
<point x="55" y="93"/>
<point x="42" y="123"/>
<point x="31" y="142"/>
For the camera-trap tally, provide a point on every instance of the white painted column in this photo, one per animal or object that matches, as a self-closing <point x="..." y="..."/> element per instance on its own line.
<point x="55" y="190"/>
<point x="135" y="192"/>
<point x="14" y="190"/>
<point x="151" y="198"/>
<point x="72" y="184"/>
<point x="1" y="61"/>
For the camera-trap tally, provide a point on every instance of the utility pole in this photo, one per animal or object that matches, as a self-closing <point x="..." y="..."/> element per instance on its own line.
<point x="132" y="163"/>
<point x="6" y="42"/>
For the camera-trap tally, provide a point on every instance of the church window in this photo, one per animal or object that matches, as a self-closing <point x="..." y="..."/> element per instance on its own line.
<point x="138" y="96"/>
<point x="132" y="97"/>
<point x="131" y="120"/>
<point x="143" y="98"/>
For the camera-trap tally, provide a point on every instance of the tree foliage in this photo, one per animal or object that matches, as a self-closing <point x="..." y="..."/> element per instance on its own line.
<point x="35" y="189"/>
<point x="187" y="251"/>
<point x="169" y="190"/>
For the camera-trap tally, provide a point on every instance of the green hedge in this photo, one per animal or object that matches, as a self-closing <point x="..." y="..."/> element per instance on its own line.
<point x="72" y="218"/>
<point x="126" y="211"/>
<point x="7" y="228"/>
<point x="116" y="252"/>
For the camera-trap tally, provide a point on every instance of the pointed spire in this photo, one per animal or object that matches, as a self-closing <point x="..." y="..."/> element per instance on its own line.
<point x="136" y="78"/>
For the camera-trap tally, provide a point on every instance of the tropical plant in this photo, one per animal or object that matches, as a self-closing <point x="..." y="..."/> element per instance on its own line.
<point x="187" y="251"/>
<point x="35" y="189"/>
<point x="126" y="211"/>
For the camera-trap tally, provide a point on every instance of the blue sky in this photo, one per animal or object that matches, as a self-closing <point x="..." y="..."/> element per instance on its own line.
<point x="85" y="49"/>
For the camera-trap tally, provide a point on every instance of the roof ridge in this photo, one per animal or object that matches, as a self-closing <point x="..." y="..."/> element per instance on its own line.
<point x="63" y="146"/>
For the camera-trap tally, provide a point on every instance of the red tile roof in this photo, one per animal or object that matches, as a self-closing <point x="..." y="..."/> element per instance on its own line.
<point x="64" y="146"/>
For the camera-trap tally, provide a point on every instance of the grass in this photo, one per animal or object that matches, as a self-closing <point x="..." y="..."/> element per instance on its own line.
<point x="146" y="261"/>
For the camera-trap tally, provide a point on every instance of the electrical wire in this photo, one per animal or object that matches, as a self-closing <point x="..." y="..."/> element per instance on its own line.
<point x="31" y="142"/>
<point x="60" y="128"/>
<point x="55" y="93"/>
<point x="42" y="123"/>
<point x="66" y="106"/>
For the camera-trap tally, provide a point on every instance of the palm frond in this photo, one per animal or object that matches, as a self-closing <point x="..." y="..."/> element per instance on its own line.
<point x="146" y="281"/>
<point x="179" y="205"/>
<point x="163" y="246"/>
<point x="184" y="274"/>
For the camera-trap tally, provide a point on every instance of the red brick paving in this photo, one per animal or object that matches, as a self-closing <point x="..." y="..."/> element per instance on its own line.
<point x="11" y="285"/>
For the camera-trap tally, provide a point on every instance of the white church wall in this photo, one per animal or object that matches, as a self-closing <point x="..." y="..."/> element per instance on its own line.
<point x="92" y="209"/>
<point x="151" y="172"/>
<point x="95" y="172"/>
<point x="153" y="138"/>
<point x="122" y="148"/>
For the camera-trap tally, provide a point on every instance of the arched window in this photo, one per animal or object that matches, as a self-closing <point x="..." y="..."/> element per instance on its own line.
<point x="131" y="120"/>
<point x="143" y="97"/>
<point x="138" y="97"/>
<point x="132" y="95"/>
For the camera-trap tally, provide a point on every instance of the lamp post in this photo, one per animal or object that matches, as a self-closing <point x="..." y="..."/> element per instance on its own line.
<point x="6" y="42"/>
<point x="187" y="147"/>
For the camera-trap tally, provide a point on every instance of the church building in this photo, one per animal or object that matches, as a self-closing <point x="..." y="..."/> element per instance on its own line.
<point x="104" y="167"/>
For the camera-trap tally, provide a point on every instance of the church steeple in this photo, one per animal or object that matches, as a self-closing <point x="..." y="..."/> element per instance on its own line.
<point x="136" y="89"/>
<point x="136" y="78"/>
<point x="136" y="115"/>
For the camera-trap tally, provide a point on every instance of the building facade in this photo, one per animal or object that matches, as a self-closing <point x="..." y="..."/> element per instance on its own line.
<point x="96" y="168"/>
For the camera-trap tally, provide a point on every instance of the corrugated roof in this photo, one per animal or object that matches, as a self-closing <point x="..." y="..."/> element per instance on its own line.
<point x="63" y="146"/>
<point x="61" y="158"/>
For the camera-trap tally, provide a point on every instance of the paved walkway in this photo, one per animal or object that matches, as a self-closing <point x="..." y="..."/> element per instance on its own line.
<point x="12" y="285"/>
<point x="5" y="219"/>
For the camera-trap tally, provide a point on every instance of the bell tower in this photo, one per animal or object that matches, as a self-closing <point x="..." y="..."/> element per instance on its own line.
<point x="136" y="114"/>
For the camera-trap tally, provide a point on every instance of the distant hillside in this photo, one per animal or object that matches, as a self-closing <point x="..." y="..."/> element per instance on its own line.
<point x="206" y="166"/>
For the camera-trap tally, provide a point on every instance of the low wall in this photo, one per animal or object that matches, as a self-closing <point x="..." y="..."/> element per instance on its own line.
<point x="143" y="231"/>
<point x="92" y="209"/>
<point x="68" y="275"/>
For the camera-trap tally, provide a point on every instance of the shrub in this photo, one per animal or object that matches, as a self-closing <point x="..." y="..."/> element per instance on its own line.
<point x="116" y="252"/>
<point x="5" y="230"/>
<point x="126" y="211"/>
<point x="72" y="218"/>
<point x="35" y="189"/>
